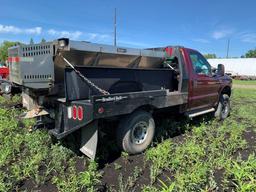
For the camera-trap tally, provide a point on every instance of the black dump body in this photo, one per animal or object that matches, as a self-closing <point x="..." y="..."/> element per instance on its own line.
<point x="129" y="90"/>
<point x="116" y="80"/>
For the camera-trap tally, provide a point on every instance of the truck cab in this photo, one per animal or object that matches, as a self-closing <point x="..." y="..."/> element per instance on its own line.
<point x="196" y="77"/>
<point x="205" y="86"/>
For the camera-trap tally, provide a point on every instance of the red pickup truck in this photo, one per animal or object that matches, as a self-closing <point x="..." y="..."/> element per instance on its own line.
<point x="81" y="87"/>
<point x="4" y="71"/>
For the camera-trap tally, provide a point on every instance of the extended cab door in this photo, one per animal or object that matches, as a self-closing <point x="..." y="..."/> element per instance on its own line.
<point x="203" y="87"/>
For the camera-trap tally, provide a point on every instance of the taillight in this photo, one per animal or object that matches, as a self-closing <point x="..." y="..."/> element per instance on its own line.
<point x="101" y="110"/>
<point x="80" y="113"/>
<point x="74" y="112"/>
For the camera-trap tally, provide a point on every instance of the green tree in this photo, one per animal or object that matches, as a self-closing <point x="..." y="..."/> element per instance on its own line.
<point x="210" y="56"/>
<point x="251" y="53"/>
<point x="4" y="49"/>
<point x="31" y="41"/>
<point x="43" y="40"/>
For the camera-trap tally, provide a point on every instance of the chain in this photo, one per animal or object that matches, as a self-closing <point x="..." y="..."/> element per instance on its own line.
<point x="91" y="84"/>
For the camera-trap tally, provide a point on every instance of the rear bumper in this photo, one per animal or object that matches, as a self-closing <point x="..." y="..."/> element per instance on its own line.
<point x="66" y="123"/>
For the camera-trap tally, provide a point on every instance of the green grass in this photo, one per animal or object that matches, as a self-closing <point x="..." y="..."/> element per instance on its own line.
<point x="244" y="82"/>
<point x="26" y="155"/>
<point x="242" y="173"/>
<point x="208" y="147"/>
<point x="13" y="100"/>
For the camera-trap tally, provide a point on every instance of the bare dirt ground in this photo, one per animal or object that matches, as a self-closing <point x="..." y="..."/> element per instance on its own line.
<point x="120" y="172"/>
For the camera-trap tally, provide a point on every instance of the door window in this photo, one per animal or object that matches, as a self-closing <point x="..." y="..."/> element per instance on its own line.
<point x="200" y="64"/>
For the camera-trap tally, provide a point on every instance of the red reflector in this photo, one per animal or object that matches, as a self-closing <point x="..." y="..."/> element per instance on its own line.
<point x="101" y="110"/>
<point x="74" y="109"/>
<point x="80" y="113"/>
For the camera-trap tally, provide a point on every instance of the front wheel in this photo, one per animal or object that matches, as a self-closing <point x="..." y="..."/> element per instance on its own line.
<point x="135" y="132"/>
<point x="223" y="108"/>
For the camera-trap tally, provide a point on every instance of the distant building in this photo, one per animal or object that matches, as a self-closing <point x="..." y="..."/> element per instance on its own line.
<point x="237" y="67"/>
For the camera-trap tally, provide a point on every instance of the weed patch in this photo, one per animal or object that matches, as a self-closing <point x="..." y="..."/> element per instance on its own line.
<point x="201" y="155"/>
<point x="32" y="157"/>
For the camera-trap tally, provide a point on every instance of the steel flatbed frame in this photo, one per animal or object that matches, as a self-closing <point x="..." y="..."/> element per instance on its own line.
<point x="114" y="105"/>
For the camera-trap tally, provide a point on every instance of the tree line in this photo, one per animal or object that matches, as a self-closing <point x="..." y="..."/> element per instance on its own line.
<point x="6" y="44"/>
<point x="249" y="54"/>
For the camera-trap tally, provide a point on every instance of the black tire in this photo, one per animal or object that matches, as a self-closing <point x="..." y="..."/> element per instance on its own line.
<point x="131" y="136"/>
<point x="223" y="108"/>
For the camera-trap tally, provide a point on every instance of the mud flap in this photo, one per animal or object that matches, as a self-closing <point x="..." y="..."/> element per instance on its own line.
<point x="89" y="139"/>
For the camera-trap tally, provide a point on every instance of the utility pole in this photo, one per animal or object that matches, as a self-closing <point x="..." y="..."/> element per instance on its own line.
<point x="115" y="28"/>
<point x="228" y="48"/>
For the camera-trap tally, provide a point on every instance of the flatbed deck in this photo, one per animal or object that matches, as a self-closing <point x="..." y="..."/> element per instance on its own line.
<point x="114" y="105"/>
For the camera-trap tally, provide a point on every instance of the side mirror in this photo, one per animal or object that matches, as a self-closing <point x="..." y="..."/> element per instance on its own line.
<point x="221" y="69"/>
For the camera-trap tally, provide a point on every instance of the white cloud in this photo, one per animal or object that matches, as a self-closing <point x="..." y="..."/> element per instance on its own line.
<point x="95" y="37"/>
<point x="16" y="30"/>
<point x="68" y="34"/>
<point x="221" y="33"/>
<point x="248" y="37"/>
<point x="200" y="40"/>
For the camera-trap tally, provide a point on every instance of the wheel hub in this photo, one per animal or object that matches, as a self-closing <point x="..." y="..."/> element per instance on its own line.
<point x="139" y="132"/>
<point x="225" y="107"/>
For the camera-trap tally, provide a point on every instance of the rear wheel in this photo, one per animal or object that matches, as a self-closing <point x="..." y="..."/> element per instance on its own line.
<point x="223" y="108"/>
<point x="135" y="132"/>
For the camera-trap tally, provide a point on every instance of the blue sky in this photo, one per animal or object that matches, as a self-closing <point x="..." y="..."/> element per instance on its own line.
<point x="204" y="25"/>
